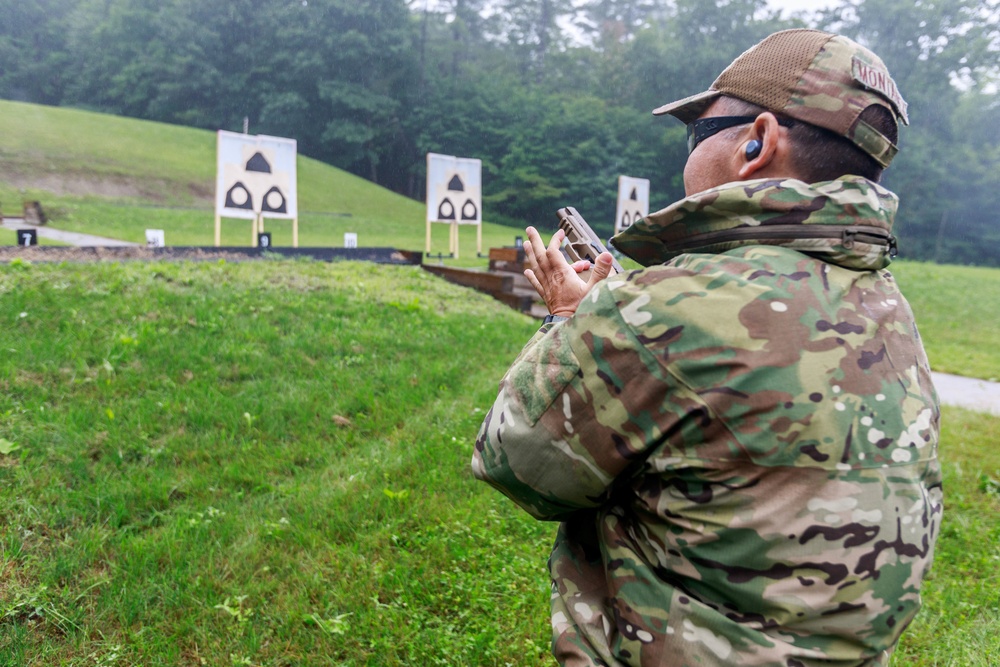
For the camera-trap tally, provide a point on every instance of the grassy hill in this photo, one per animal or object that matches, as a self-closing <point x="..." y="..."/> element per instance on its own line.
<point x="117" y="177"/>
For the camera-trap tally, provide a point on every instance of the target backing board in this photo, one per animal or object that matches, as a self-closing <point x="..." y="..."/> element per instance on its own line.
<point x="255" y="177"/>
<point x="633" y="202"/>
<point x="454" y="189"/>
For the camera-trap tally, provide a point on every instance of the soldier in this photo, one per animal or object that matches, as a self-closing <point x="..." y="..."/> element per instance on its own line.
<point x="740" y="439"/>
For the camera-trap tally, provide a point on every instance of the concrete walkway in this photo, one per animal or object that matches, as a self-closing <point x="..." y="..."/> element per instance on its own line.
<point x="969" y="393"/>
<point x="71" y="238"/>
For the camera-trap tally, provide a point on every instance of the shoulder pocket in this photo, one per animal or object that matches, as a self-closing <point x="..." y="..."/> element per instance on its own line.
<point x="542" y="375"/>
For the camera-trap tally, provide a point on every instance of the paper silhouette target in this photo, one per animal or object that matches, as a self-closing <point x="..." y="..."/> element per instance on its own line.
<point x="633" y="202"/>
<point x="256" y="177"/>
<point x="454" y="196"/>
<point x="454" y="189"/>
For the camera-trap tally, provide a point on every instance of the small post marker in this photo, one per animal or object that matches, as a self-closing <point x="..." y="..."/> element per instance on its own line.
<point x="155" y="238"/>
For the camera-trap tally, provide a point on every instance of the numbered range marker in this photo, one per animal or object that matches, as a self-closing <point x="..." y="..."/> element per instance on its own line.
<point x="155" y="238"/>
<point x="27" y="237"/>
<point x="264" y="240"/>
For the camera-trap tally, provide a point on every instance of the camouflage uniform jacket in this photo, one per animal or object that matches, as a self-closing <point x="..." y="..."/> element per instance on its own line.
<point x="740" y="440"/>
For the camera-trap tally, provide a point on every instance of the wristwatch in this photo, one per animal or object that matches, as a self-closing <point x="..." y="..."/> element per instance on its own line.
<point x="553" y="318"/>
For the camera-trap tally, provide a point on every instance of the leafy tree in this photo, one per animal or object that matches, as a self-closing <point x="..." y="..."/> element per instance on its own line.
<point x="554" y="96"/>
<point x="570" y="151"/>
<point x="531" y="33"/>
<point x="941" y="172"/>
<point x="157" y="60"/>
<point x="32" y="60"/>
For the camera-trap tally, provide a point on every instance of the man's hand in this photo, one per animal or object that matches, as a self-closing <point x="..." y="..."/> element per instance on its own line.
<point x="556" y="280"/>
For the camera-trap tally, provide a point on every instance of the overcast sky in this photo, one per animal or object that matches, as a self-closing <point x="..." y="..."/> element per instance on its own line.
<point x="799" y="5"/>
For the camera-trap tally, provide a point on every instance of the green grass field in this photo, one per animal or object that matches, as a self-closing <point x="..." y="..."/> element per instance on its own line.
<point x="267" y="463"/>
<point x="957" y="309"/>
<point x="260" y="463"/>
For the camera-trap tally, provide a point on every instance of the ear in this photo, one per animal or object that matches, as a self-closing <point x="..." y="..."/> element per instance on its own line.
<point x="756" y="158"/>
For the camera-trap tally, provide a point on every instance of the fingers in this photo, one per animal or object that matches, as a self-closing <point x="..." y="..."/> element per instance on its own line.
<point x="556" y="242"/>
<point x="538" y="255"/>
<point x="529" y="248"/>
<point x="536" y="261"/>
<point x="530" y="275"/>
<point x="602" y="269"/>
<point x="556" y="280"/>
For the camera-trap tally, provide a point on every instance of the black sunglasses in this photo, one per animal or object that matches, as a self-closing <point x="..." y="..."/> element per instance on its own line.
<point x="703" y="128"/>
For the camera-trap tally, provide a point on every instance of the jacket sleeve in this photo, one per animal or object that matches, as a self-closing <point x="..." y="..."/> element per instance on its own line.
<point x="577" y="408"/>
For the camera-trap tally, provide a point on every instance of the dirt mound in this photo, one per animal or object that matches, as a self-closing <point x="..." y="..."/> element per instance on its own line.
<point x="203" y="253"/>
<point x="115" y="253"/>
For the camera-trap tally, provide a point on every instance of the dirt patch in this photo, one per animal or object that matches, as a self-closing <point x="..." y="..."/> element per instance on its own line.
<point x="56" y="254"/>
<point x="109" y="186"/>
<point x="79" y="186"/>
<point x="115" y="254"/>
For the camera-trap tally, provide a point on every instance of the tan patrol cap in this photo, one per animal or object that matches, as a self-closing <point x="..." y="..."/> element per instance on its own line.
<point x="813" y="76"/>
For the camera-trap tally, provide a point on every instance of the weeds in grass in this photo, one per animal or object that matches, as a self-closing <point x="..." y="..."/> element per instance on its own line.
<point x="262" y="462"/>
<point x="268" y="464"/>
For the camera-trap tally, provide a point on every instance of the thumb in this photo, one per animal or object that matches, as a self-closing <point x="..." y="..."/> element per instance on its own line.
<point x="601" y="270"/>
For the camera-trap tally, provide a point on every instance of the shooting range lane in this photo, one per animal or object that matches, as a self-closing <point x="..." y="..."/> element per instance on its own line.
<point x="70" y="238"/>
<point x="969" y="393"/>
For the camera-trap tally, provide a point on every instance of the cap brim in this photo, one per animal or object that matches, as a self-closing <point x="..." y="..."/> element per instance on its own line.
<point x="689" y="108"/>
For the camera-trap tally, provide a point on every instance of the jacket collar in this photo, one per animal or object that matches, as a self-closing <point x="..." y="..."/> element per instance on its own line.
<point x="847" y="222"/>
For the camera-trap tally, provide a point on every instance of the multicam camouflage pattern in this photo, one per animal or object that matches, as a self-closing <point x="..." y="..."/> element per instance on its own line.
<point x="843" y="80"/>
<point x="846" y="203"/>
<point x="813" y="76"/>
<point x="741" y="447"/>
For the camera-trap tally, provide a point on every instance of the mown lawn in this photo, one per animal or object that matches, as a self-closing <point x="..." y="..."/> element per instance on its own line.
<point x="957" y="309"/>
<point x="261" y="463"/>
<point x="266" y="463"/>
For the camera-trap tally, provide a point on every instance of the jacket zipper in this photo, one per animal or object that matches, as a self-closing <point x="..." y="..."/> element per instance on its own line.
<point x="848" y="235"/>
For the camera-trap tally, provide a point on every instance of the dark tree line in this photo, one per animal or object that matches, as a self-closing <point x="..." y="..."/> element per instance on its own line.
<point x="552" y="95"/>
